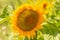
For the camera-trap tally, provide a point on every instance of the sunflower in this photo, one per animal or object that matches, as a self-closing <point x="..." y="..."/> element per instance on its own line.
<point x="27" y="19"/>
<point x="46" y="6"/>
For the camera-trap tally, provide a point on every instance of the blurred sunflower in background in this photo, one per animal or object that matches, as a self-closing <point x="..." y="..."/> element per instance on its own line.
<point x="30" y="20"/>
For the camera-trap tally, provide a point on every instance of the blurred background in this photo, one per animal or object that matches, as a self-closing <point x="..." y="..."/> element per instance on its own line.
<point x="51" y="27"/>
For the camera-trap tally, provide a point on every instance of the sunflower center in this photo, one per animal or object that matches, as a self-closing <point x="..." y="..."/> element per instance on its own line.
<point x="27" y="19"/>
<point x="44" y="6"/>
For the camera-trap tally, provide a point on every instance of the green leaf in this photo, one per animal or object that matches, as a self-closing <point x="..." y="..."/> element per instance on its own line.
<point x="6" y="11"/>
<point x="4" y="19"/>
<point x="19" y="2"/>
<point x="41" y="38"/>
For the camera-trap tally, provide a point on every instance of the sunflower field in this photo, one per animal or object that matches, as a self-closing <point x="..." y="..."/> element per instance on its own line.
<point x="29" y="19"/>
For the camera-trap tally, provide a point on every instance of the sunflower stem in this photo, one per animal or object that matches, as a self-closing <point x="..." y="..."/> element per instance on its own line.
<point x="35" y="37"/>
<point x="26" y="38"/>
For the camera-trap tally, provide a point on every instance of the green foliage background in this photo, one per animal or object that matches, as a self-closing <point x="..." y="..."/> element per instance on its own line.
<point x="51" y="27"/>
